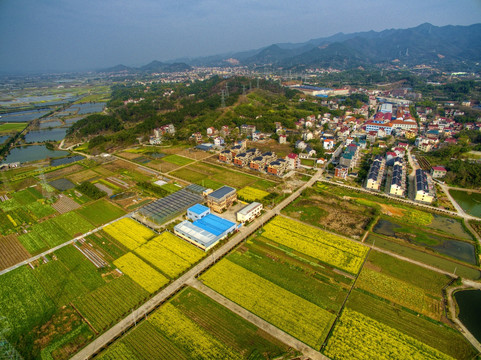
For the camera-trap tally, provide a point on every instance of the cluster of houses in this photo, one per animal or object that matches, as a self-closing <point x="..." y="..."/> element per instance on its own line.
<point x="160" y="132"/>
<point x="266" y="162"/>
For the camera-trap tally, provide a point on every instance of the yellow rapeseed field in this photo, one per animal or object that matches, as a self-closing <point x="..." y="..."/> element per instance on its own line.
<point x="129" y="233"/>
<point x="357" y="336"/>
<point x="329" y="248"/>
<point x="150" y="279"/>
<point x="187" y="334"/>
<point x="289" y="312"/>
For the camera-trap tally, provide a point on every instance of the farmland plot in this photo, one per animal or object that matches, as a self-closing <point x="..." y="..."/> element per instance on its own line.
<point x="291" y="313"/>
<point x="11" y="251"/>
<point x="80" y="266"/>
<point x="73" y="224"/>
<point x="189" y="336"/>
<point x="110" y="302"/>
<point x="23" y="306"/>
<point x="251" y="194"/>
<point x="400" y="292"/>
<point x="326" y="247"/>
<point x="140" y="272"/>
<point x="100" y="212"/>
<point x="357" y="336"/>
<point x="166" y="256"/>
<point x="129" y="233"/>
<point x="59" y="282"/>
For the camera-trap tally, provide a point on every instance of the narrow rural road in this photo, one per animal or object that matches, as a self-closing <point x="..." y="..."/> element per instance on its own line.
<point x="118" y="329"/>
<point x="257" y="321"/>
<point x="49" y="251"/>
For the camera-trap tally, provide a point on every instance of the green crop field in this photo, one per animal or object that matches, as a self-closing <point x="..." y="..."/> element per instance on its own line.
<point x="61" y="285"/>
<point x="40" y="210"/>
<point x="110" y="302"/>
<point x="400" y="292"/>
<point x="177" y="160"/>
<point x="291" y="313"/>
<point x="429" y="259"/>
<point x="171" y="188"/>
<point x="100" y="212"/>
<point x="432" y="282"/>
<point x="144" y="342"/>
<point x="432" y="333"/>
<point x="25" y="306"/>
<point x="81" y="267"/>
<point x="73" y="224"/>
<point x="199" y="171"/>
<point x="12" y="127"/>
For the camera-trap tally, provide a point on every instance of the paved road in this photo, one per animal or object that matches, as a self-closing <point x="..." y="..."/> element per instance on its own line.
<point x="257" y="321"/>
<point x="190" y="275"/>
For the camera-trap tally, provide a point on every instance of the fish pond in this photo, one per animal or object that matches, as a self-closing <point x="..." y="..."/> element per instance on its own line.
<point x="55" y="134"/>
<point x="32" y="153"/>
<point x="456" y="249"/>
<point x="470" y="310"/>
<point x="468" y="200"/>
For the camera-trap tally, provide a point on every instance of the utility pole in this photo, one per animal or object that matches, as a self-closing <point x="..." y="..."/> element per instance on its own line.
<point x="223" y="99"/>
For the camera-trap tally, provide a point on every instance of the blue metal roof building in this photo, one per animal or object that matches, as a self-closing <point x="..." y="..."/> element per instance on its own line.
<point x="206" y="231"/>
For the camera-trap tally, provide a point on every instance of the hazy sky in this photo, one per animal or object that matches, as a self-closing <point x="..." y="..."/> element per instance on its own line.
<point x="59" y="35"/>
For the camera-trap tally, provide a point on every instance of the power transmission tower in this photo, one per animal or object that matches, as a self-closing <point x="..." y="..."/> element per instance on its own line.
<point x="243" y="89"/>
<point x="258" y="83"/>
<point x="222" y="98"/>
<point x="227" y="90"/>
<point x="45" y="187"/>
<point x="250" y="85"/>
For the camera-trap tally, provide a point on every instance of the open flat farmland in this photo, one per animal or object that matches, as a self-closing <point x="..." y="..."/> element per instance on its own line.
<point x="170" y="254"/>
<point x="328" y="211"/>
<point x="100" y="212"/>
<point x="329" y="248"/>
<point x="197" y="172"/>
<point x="252" y="194"/>
<point x="110" y="302"/>
<point x="11" y="251"/>
<point x="73" y="224"/>
<point x="177" y="160"/>
<point x="313" y="284"/>
<point x="348" y="341"/>
<point x="26" y="306"/>
<point x="401" y="292"/>
<point x="144" y="342"/>
<point x="81" y="267"/>
<point x="140" y="272"/>
<point x="435" y="334"/>
<point x="185" y="333"/>
<point x="291" y="313"/>
<point x="61" y="285"/>
<point x="129" y="233"/>
<point x="192" y="326"/>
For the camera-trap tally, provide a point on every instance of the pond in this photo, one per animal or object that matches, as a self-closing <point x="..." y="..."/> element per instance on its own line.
<point x="470" y="311"/>
<point x="66" y="160"/>
<point x="450" y="226"/>
<point x="50" y="124"/>
<point x="55" y="134"/>
<point x="22" y="116"/>
<point x="454" y="248"/>
<point x="469" y="201"/>
<point x="32" y="153"/>
<point x="87" y="108"/>
<point x="3" y="139"/>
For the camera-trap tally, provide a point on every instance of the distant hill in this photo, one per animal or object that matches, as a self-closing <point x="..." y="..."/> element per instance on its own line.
<point x="424" y="44"/>
<point x="152" y="67"/>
